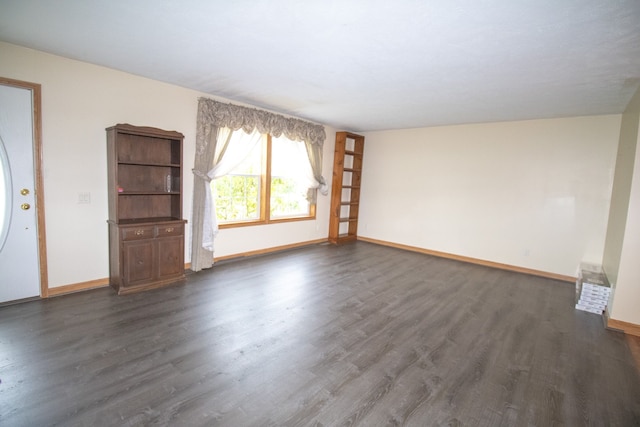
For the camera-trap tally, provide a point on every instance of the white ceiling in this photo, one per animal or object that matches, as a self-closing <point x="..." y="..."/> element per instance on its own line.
<point x="359" y="65"/>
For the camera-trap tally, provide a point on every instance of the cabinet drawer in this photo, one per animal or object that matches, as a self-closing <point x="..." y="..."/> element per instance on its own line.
<point x="170" y="230"/>
<point x="137" y="233"/>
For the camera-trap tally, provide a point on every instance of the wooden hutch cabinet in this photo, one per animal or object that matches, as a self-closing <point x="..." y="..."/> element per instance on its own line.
<point x="146" y="229"/>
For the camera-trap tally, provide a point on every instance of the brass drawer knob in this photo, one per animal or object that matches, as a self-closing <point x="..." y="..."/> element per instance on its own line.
<point x="139" y="232"/>
<point x="25" y="206"/>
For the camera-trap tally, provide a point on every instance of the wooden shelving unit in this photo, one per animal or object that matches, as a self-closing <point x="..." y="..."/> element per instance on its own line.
<point x="345" y="191"/>
<point x="146" y="229"/>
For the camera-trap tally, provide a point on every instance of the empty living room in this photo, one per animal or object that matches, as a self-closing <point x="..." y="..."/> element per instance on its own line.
<point x="319" y="213"/>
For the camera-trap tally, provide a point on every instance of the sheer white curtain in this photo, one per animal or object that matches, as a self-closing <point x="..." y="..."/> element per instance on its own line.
<point x="227" y="156"/>
<point x="311" y="172"/>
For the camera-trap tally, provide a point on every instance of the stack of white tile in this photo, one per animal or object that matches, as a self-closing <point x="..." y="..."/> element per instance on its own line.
<point x="592" y="290"/>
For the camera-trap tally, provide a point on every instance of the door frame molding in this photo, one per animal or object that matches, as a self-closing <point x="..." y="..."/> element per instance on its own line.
<point x="36" y="95"/>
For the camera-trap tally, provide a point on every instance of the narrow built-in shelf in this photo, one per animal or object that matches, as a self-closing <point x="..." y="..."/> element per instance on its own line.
<point x="347" y="171"/>
<point x="348" y="219"/>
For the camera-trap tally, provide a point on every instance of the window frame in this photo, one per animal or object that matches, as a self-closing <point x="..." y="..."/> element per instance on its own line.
<point x="265" y="196"/>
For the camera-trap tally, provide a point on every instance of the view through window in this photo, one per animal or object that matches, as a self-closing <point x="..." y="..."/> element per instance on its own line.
<point x="272" y="183"/>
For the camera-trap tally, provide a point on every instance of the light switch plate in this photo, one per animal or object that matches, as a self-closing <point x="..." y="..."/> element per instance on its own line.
<point x="84" y="198"/>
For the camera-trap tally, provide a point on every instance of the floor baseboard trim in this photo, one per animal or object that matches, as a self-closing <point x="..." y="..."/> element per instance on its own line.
<point x="100" y="283"/>
<point x="626" y="327"/>
<point x="77" y="287"/>
<point x="269" y="250"/>
<point x="470" y="260"/>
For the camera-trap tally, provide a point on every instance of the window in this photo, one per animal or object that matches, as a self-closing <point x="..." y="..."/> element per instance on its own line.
<point x="271" y="183"/>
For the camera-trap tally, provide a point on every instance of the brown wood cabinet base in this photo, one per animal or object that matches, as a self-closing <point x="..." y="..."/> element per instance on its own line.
<point x="146" y="255"/>
<point x="155" y="285"/>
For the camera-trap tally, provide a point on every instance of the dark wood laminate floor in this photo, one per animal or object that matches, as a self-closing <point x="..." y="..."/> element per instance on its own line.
<point x="353" y="335"/>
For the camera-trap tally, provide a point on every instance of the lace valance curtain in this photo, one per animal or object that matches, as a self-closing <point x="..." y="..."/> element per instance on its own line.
<point x="217" y="114"/>
<point x="214" y="116"/>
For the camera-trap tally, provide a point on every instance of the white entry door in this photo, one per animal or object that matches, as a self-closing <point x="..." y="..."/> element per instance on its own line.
<point x="19" y="265"/>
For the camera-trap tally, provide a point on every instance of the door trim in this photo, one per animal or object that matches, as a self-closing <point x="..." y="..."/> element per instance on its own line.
<point x="36" y="94"/>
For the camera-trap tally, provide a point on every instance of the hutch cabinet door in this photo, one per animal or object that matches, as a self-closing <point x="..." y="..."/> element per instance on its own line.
<point x="170" y="257"/>
<point x="138" y="261"/>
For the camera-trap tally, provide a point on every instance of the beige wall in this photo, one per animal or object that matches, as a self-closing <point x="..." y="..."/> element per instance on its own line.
<point x="79" y="101"/>
<point x="532" y="194"/>
<point x="622" y="249"/>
